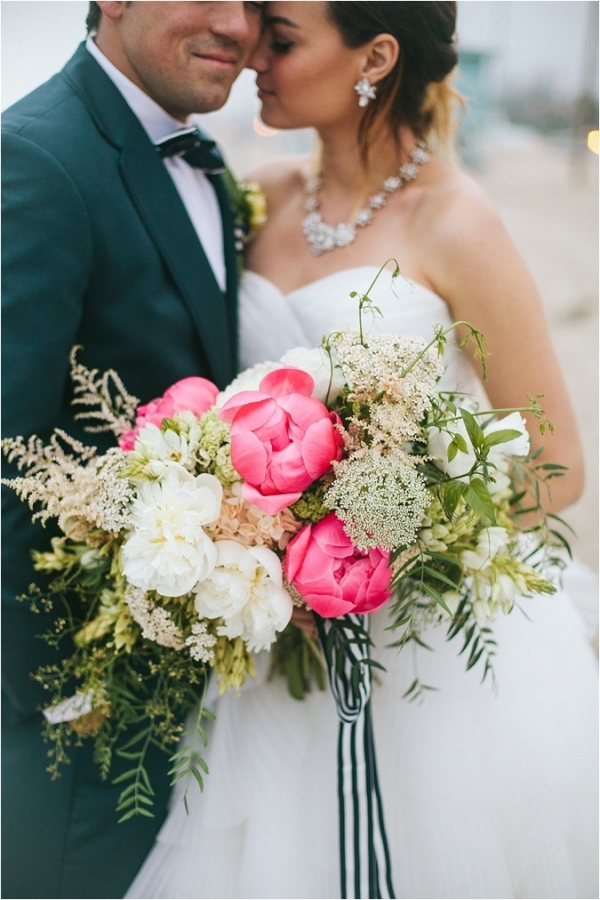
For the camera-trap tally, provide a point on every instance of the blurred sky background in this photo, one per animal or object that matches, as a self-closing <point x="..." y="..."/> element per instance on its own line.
<point x="532" y="41"/>
<point x="529" y="71"/>
<point x="514" y="49"/>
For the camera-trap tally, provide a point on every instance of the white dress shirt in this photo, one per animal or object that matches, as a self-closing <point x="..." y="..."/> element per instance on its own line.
<point x="194" y="188"/>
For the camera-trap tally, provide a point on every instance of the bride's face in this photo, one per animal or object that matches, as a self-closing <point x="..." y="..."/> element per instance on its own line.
<point x="305" y="73"/>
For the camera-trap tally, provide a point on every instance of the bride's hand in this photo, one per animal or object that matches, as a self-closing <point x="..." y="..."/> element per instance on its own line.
<point x="304" y="619"/>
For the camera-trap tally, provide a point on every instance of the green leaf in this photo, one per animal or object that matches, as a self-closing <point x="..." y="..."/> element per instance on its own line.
<point x="439" y="576"/>
<point x="136" y="739"/>
<point x="414" y="687"/>
<point x="436" y="596"/>
<point x="198" y="778"/>
<point x="450" y="494"/>
<point x="125" y="776"/>
<point x="468" y="636"/>
<point x="479" y="499"/>
<point x="475" y="433"/>
<point x="138" y="811"/>
<point x="126" y="791"/>
<point x="201" y="762"/>
<point x="460" y="443"/>
<point x="473" y="660"/>
<point x="501" y="436"/>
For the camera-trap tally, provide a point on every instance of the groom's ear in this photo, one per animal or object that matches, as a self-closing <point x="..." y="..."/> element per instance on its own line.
<point x="382" y="55"/>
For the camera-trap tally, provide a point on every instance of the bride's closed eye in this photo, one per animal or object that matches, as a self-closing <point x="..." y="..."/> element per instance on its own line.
<point x="281" y="46"/>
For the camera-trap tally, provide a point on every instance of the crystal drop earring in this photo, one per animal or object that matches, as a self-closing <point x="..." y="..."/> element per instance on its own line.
<point x="365" y="91"/>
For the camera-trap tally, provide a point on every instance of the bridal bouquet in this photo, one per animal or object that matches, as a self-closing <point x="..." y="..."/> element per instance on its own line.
<point x="338" y="479"/>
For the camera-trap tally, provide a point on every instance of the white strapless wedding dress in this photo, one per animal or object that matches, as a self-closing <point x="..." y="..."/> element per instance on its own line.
<point x="485" y="795"/>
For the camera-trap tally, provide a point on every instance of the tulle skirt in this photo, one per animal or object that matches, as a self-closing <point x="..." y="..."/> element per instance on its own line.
<point x="486" y="794"/>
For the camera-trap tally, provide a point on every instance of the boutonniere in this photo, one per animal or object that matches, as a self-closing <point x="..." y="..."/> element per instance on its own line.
<point x="249" y="206"/>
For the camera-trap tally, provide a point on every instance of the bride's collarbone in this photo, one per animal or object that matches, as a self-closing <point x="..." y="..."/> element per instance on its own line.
<point x="282" y="255"/>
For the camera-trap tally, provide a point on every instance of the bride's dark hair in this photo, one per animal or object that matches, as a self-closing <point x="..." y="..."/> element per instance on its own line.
<point x="418" y="92"/>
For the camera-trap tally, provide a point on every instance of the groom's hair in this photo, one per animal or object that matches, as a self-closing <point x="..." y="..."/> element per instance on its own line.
<point x="93" y="18"/>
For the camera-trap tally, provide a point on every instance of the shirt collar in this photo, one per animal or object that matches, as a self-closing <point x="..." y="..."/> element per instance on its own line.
<point x="155" y="120"/>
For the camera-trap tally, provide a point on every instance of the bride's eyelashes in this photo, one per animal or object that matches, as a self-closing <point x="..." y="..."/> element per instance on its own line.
<point x="281" y="46"/>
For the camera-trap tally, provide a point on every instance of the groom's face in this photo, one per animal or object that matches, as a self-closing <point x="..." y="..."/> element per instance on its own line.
<point x="185" y="55"/>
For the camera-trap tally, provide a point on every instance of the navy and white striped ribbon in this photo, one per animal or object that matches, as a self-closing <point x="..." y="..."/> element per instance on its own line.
<point x="365" y="867"/>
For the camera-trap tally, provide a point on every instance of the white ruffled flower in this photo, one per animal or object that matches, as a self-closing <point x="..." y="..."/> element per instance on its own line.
<point x="168" y="550"/>
<point x="248" y="380"/>
<point x="245" y="591"/>
<point x="317" y="363"/>
<point x="314" y="360"/>
<point x="156" y="450"/>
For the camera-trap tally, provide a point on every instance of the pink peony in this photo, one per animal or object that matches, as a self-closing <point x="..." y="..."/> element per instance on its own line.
<point x="331" y="575"/>
<point x="195" y="394"/>
<point x="282" y="439"/>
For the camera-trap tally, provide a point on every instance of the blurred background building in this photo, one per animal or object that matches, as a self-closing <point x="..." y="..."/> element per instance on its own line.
<point x="529" y="71"/>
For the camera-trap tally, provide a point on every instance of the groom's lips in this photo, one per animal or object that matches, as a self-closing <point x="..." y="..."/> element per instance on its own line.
<point x="216" y="59"/>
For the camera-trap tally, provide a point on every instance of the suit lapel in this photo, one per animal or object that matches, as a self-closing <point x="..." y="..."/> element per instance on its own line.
<point x="166" y="219"/>
<point x="164" y="215"/>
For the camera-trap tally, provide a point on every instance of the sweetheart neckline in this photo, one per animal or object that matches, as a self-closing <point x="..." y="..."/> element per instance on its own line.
<point x="309" y="284"/>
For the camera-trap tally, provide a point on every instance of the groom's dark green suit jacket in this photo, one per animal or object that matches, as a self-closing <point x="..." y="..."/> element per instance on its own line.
<point x="98" y="250"/>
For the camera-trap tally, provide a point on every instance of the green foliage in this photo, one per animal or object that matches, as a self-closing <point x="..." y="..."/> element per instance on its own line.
<point x="299" y="659"/>
<point x="141" y="697"/>
<point x="187" y="762"/>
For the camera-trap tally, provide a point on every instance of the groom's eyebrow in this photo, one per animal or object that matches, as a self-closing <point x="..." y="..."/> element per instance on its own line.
<point x="279" y="20"/>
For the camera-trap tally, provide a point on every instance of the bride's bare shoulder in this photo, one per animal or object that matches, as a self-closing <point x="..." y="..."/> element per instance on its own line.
<point x="454" y="208"/>
<point x="281" y="178"/>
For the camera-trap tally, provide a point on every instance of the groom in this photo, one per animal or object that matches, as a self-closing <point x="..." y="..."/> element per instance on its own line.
<point x="129" y="252"/>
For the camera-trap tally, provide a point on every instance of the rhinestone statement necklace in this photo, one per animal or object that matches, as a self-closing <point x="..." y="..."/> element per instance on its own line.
<point x="323" y="237"/>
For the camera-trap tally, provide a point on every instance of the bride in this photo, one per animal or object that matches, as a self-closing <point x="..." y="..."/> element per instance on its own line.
<point x="485" y="795"/>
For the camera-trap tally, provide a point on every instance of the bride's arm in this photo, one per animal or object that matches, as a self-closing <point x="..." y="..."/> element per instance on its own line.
<point x="479" y="272"/>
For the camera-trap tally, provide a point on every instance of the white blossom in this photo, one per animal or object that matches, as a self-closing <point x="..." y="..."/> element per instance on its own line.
<point x="245" y="591"/>
<point x="327" y="376"/>
<point x="380" y="500"/>
<point x="248" y="380"/>
<point x="168" y="550"/>
<point x="201" y="644"/>
<point x="156" y="450"/>
<point x="499" y="455"/>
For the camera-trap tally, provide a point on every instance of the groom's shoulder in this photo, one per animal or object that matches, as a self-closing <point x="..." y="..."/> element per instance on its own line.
<point x="56" y="116"/>
<point x="52" y="116"/>
<point x="41" y="103"/>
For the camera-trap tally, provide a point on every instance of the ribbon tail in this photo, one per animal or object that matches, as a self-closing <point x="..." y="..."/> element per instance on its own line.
<point x="365" y="865"/>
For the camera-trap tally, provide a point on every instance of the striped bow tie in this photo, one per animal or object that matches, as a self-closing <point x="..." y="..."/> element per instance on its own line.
<point x="197" y="150"/>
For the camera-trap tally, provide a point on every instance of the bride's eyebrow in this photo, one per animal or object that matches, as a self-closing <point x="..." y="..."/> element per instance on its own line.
<point x="279" y="20"/>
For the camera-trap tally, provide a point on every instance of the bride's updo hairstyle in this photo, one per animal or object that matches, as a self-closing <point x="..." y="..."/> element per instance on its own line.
<point x="418" y="92"/>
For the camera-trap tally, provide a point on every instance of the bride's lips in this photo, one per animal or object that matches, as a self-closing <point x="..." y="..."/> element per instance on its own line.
<point x="263" y="92"/>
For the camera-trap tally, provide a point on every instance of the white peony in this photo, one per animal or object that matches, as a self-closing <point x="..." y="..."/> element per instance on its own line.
<point x="245" y="591"/>
<point x="318" y="364"/>
<point x="314" y="360"/>
<point x="167" y="550"/>
<point x="248" y="380"/>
